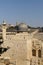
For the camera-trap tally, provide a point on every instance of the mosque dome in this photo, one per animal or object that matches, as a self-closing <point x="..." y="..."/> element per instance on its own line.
<point x="23" y="27"/>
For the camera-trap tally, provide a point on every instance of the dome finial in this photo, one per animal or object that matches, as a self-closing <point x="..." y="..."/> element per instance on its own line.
<point x="4" y="21"/>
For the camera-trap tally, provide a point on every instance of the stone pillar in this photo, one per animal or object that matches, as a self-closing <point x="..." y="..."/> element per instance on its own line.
<point x="37" y="53"/>
<point x="42" y="51"/>
<point x="29" y="51"/>
<point x="36" y="57"/>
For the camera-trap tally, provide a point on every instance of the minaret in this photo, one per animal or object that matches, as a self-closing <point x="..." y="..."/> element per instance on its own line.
<point x="2" y="46"/>
<point x="4" y="30"/>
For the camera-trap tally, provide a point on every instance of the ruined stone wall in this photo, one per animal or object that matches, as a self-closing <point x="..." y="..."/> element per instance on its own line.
<point x="18" y="48"/>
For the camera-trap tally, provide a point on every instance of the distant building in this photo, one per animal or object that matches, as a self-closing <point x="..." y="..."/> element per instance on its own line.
<point x="21" y="44"/>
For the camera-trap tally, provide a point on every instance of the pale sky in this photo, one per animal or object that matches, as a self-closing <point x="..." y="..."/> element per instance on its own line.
<point x="28" y="11"/>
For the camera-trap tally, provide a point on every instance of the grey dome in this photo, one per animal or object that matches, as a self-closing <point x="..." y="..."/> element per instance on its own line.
<point x="23" y="27"/>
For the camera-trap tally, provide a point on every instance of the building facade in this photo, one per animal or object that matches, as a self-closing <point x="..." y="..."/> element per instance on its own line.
<point x="21" y="44"/>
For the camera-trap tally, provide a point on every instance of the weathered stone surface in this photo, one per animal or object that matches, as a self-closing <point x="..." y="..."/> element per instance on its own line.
<point x="19" y="47"/>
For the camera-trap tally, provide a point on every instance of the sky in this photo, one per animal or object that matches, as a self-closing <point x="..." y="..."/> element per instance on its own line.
<point x="27" y="11"/>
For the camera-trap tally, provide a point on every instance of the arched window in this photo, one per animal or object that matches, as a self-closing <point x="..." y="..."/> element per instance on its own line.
<point x="39" y="53"/>
<point x="33" y="52"/>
